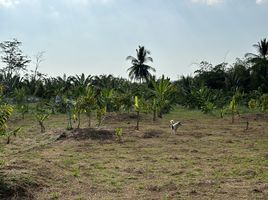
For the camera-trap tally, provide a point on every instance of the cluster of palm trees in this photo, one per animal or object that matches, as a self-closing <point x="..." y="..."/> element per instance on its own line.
<point x="212" y="86"/>
<point x="219" y="83"/>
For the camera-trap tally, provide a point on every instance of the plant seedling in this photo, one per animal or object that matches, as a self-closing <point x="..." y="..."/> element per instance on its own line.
<point x="119" y="135"/>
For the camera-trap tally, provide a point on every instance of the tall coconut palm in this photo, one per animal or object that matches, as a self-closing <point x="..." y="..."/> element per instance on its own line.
<point x="262" y="49"/>
<point x="259" y="69"/>
<point x="140" y="70"/>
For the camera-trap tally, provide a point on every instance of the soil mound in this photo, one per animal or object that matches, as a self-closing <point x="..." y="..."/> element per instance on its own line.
<point x="16" y="187"/>
<point x="93" y="133"/>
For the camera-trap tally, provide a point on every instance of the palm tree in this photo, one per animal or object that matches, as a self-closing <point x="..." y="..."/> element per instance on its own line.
<point x="139" y="69"/>
<point x="80" y="83"/>
<point x="262" y="49"/>
<point x="259" y="69"/>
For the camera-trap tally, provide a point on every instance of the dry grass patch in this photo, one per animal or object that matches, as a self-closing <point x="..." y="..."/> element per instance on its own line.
<point x="209" y="158"/>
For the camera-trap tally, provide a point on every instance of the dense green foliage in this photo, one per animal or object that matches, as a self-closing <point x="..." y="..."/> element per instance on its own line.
<point x="211" y="87"/>
<point x="6" y="111"/>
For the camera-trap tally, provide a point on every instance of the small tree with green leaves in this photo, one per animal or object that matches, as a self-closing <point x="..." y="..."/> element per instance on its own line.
<point x="140" y="106"/>
<point x="85" y="104"/>
<point x="252" y="104"/>
<point x="69" y="105"/>
<point x="119" y="135"/>
<point x="42" y="113"/>
<point x="78" y="109"/>
<point x="163" y="92"/>
<point x="89" y="103"/>
<point x="65" y="104"/>
<point x="6" y="111"/>
<point x="154" y="108"/>
<point x="207" y="107"/>
<point x="264" y="102"/>
<point x="124" y="101"/>
<point x="233" y="106"/>
<point x="137" y="108"/>
<point x="21" y="101"/>
<point x="101" y="112"/>
<point x="41" y="118"/>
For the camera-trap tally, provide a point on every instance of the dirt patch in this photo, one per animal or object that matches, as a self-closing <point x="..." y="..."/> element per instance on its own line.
<point x="17" y="186"/>
<point x="92" y="133"/>
<point x="165" y="187"/>
<point x="152" y="133"/>
<point x="120" y="116"/>
<point x="255" y="117"/>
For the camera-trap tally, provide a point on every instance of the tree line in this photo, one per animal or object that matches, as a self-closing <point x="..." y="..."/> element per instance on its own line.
<point x="211" y="86"/>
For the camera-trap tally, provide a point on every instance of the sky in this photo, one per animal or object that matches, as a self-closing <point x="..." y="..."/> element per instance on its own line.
<point x="95" y="36"/>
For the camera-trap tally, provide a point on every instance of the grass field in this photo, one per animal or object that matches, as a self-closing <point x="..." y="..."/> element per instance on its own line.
<point x="209" y="158"/>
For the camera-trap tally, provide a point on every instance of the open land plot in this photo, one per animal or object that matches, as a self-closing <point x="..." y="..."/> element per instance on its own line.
<point x="209" y="158"/>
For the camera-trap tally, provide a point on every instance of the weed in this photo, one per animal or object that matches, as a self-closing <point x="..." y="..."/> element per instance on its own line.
<point x="76" y="172"/>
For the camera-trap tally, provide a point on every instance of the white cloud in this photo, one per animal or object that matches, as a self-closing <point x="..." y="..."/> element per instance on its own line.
<point x="87" y="2"/>
<point x="260" y="2"/>
<point x="208" y="2"/>
<point x="8" y="3"/>
<point x="11" y="3"/>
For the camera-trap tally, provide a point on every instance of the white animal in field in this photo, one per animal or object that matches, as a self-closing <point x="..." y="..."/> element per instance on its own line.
<point x="174" y="126"/>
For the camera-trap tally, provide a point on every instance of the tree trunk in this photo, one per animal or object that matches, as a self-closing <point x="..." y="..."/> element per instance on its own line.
<point x="53" y="110"/>
<point x="233" y="115"/>
<point x="8" y="139"/>
<point x="160" y="115"/>
<point x="154" y="116"/>
<point x="247" y="125"/>
<point x="89" y="122"/>
<point x="69" y="126"/>
<point x="138" y="120"/>
<point x="43" y="129"/>
<point x="79" y="120"/>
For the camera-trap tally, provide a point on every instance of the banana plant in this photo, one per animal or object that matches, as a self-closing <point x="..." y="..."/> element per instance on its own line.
<point x="108" y="96"/>
<point x="140" y="106"/>
<point x="85" y="104"/>
<point x="163" y="91"/>
<point x="233" y="106"/>
<point x="5" y="113"/>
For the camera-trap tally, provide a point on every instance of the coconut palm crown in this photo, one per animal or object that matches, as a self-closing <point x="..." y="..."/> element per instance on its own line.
<point x="262" y="49"/>
<point x="140" y="70"/>
<point x="259" y="68"/>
